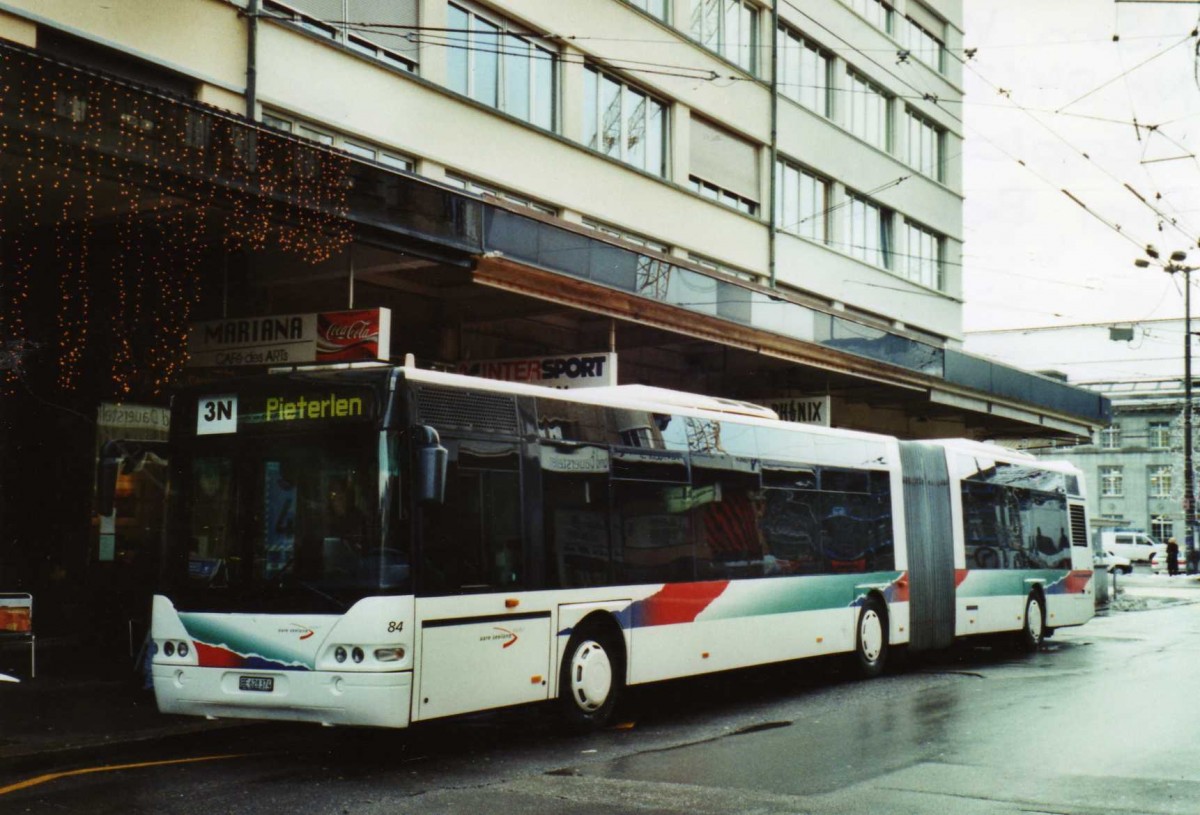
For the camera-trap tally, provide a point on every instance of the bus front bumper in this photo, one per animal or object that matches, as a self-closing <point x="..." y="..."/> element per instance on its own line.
<point x="324" y="697"/>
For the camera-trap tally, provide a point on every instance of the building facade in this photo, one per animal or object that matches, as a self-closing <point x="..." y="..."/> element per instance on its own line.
<point x="754" y="200"/>
<point x="1134" y="465"/>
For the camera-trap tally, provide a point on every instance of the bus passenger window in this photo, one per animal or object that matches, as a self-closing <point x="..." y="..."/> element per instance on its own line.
<point x="727" y="506"/>
<point x="791" y="530"/>
<point x="474" y="539"/>
<point x="653" y="542"/>
<point x="576" y="515"/>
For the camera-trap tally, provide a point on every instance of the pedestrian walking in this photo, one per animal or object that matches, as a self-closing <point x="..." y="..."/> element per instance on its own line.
<point x="1172" y="557"/>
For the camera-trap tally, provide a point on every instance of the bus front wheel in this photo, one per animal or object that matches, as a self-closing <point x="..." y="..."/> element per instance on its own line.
<point x="590" y="681"/>
<point x="1034" y="629"/>
<point x="871" y="643"/>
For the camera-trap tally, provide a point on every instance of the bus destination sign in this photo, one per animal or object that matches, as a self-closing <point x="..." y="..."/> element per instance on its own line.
<point x="290" y="339"/>
<point x="229" y="413"/>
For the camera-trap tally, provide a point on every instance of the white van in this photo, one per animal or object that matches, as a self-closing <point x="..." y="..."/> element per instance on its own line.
<point x="1137" y="546"/>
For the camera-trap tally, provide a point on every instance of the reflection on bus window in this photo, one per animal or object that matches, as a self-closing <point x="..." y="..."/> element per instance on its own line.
<point x="1007" y="527"/>
<point x="473" y="541"/>
<point x="273" y="517"/>
<point x="576" y="515"/>
<point x="210" y="541"/>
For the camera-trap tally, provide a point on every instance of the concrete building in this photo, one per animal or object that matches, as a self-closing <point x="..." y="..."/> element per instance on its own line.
<point x="1135" y="464"/>
<point x="755" y="200"/>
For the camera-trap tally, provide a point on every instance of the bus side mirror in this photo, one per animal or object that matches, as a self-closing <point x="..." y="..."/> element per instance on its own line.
<point x="432" y="462"/>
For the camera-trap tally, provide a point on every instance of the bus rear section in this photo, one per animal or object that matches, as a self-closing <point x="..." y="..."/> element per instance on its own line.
<point x="1022" y="559"/>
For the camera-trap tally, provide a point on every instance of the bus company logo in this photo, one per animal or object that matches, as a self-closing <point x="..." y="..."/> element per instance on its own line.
<point x="507" y="637"/>
<point x="304" y="631"/>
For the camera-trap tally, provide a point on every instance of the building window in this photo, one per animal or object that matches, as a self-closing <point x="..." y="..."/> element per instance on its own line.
<point x="804" y="72"/>
<point x="466" y="184"/>
<point x="723" y="166"/>
<point x="924" y="145"/>
<point x="1110" y="437"/>
<point x="728" y="27"/>
<point x="924" y="36"/>
<point x="868" y="231"/>
<point x="801" y="202"/>
<point x="655" y="8"/>
<point x="497" y="66"/>
<point x="1160" y="481"/>
<point x="721" y="196"/>
<point x="1160" y="434"/>
<point x="624" y="122"/>
<point x="718" y="266"/>
<point x="1112" y="482"/>
<point x="869" y="112"/>
<point x="387" y="38"/>
<point x="628" y="237"/>
<point x="876" y="12"/>
<point x="923" y="256"/>
<point x="1161" y="529"/>
<point x="331" y="138"/>
<point x="378" y="155"/>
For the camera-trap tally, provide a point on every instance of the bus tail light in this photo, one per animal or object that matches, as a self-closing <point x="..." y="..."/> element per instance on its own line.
<point x="389" y="654"/>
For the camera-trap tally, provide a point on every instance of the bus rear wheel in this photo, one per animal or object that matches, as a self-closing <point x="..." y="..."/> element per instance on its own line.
<point x="591" y="680"/>
<point x="1033" y="632"/>
<point x="871" y="642"/>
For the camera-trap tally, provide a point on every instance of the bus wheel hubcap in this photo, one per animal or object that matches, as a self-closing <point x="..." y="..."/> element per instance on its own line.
<point x="1034" y="621"/>
<point x="591" y="676"/>
<point x="870" y="633"/>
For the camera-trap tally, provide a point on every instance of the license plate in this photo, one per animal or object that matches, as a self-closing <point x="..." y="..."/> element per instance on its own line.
<point x="265" y="684"/>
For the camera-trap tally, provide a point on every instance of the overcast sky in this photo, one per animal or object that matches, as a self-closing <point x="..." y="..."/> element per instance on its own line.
<point x="1033" y="257"/>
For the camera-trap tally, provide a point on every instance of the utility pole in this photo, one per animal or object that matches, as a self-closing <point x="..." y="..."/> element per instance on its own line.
<point x="1173" y="266"/>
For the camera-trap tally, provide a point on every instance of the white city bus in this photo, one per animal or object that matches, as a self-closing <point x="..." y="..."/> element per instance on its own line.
<point x="391" y="545"/>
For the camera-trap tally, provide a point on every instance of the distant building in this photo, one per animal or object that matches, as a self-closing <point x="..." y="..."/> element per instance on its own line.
<point x="1134" y="467"/>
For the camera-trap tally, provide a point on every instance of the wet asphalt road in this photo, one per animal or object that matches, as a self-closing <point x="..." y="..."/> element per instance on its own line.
<point x="1097" y="722"/>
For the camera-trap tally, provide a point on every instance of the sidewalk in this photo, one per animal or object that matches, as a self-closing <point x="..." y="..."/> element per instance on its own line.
<point x="62" y="712"/>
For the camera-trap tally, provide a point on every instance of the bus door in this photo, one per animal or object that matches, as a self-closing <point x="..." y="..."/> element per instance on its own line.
<point x="484" y="643"/>
<point x="930" y="546"/>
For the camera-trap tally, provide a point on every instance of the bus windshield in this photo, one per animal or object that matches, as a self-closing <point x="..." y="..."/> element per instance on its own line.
<point x="290" y="522"/>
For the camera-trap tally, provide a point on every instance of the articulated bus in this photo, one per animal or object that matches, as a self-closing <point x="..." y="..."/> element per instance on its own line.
<point x="390" y="545"/>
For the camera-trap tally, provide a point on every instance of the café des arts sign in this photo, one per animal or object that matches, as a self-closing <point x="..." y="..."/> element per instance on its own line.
<point x="291" y="339"/>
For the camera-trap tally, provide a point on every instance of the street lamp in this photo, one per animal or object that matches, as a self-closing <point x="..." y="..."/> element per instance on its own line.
<point x="1175" y="264"/>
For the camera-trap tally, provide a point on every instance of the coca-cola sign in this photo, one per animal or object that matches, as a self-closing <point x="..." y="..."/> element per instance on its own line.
<point x="350" y="336"/>
<point x="291" y="339"/>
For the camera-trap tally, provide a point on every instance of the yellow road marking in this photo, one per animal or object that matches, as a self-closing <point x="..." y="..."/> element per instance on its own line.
<point x="42" y="779"/>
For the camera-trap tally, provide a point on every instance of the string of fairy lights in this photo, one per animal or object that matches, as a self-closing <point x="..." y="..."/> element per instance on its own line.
<point x="110" y="199"/>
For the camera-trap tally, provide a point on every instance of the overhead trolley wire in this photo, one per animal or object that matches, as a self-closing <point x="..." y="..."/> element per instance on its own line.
<point x="1125" y="73"/>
